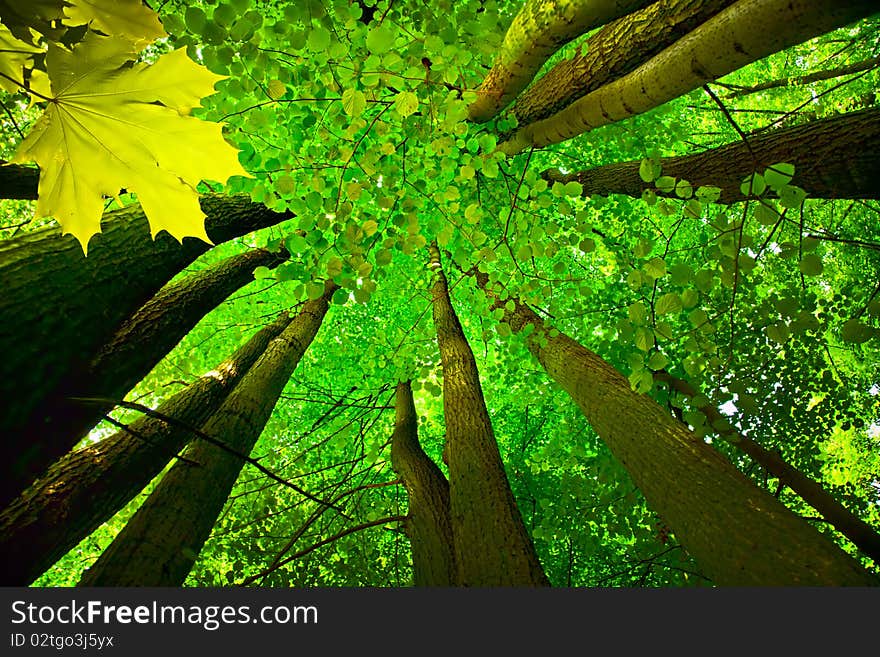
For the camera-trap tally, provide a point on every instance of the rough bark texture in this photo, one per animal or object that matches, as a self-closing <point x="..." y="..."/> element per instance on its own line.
<point x="58" y="307"/>
<point x="492" y="546"/>
<point x="160" y="543"/>
<point x="836" y="157"/>
<point x="87" y="487"/>
<point x="614" y="51"/>
<point x="746" y="31"/>
<point x="18" y="182"/>
<point x="540" y="29"/>
<point x="142" y="340"/>
<point x="427" y="525"/>
<point x="738" y="533"/>
<point x="847" y="523"/>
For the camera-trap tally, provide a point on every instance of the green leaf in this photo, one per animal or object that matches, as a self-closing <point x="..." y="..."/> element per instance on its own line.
<point x="655" y="267"/>
<point x="406" y="103"/>
<point x="668" y="303"/>
<point x="354" y="102"/>
<point x="381" y="39"/>
<point x="778" y="175"/>
<point x="810" y="265"/>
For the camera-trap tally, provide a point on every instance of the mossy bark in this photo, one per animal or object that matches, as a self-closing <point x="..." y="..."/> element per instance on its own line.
<point x="836" y="157"/>
<point x="540" y="29"/>
<point x="160" y="543"/>
<point x="86" y="487"/>
<point x="492" y="546"/>
<point x="744" y="32"/>
<point x="58" y="307"/>
<point x="427" y="525"/>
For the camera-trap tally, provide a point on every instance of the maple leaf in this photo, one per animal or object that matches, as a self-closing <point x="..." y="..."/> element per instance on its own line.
<point x="22" y="16"/>
<point x="112" y="124"/>
<point x="15" y="56"/>
<point x="130" y="19"/>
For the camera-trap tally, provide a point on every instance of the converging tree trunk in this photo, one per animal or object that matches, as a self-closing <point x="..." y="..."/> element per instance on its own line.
<point x="58" y="307"/>
<point x="739" y="534"/>
<point x="863" y="536"/>
<point x="88" y="486"/>
<point x="61" y="421"/>
<point x="427" y="524"/>
<point x="539" y="29"/>
<point x="745" y="32"/>
<point x="159" y="545"/>
<point x="492" y="546"/>
<point x="836" y="157"/>
<point x="614" y="51"/>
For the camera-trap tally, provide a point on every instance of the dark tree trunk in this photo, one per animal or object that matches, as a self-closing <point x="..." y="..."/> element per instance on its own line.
<point x="492" y="546"/>
<point x="427" y="525"/>
<point x="59" y="308"/>
<point x="614" y="51"/>
<point x="18" y="182"/>
<point x="838" y="516"/>
<point x="87" y="487"/>
<point x="160" y="543"/>
<point x="142" y="340"/>
<point x="739" y="534"/>
<point x="837" y="157"/>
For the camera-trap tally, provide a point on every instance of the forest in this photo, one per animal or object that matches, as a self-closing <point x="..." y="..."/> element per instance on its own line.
<point x="472" y="293"/>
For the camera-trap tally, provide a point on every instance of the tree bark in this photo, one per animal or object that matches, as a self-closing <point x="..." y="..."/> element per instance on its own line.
<point x="160" y="543"/>
<point x="745" y="32"/>
<point x="492" y="546"/>
<point x="59" y="308"/>
<point x="87" y="487"/>
<point x="863" y="536"/>
<point x="145" y="338"/>
<point x="18" y="182"/>
<point x="836" y="157"/>
<point x="540" y="29"/>
<point x="614" y="51"/>
<point x="738" y="533"/>
<point x="427" y="525"/>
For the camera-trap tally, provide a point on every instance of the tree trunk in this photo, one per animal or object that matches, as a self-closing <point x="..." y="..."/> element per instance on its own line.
<point x="837" y="157"/>
<point x="59" y="308"/>
<point x="540" y="29"/>
<point x="160" y="543"/>
<point x="838" y="516"/>
<point x="492" y="546"/>
<point x="18" y="182"/>
<point x="738" y="533"/>
<point x="87" y="487"/>
<point x="142" y="340"/>
<point x="614" y="51"/>
<point x="743" y="33"/>
<point x="427" y="525"/>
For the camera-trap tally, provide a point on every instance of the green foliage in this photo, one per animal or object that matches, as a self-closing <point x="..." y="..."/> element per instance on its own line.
<point x="768" y="308"/>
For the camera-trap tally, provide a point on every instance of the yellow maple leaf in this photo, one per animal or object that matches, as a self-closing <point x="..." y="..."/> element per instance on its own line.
<point x="15" y="56"/>
<point x="131" y="19"/>
<point x="112" y="124"/>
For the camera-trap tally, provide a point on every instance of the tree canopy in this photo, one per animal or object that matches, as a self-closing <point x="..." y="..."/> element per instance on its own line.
<point x="689" y="200"/>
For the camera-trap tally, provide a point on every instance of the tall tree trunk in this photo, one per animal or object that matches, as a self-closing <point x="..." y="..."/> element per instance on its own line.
<point x="738" y="533"/>
<point x="159" y="545"/>
<point x="540" y="29"/>
<point x="427" y="525"/>
<point x="745" y="32"/>
<point x="836" y="157"/>
<point x="87" y="487"/>
<point x="614" y="51"/>
<point x="60" y="421"/>
<point x="838" y="516"/>
<point x="492" y="546"/>
<point x="58" y="308"/>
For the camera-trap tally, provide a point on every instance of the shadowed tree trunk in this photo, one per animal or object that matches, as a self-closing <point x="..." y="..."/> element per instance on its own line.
<point x="159" y="545"/>
<point x="838" y="516"/>
<point x="743" y="33"/>
<point x="539" y="29"/>
<point x="18" y="182"/>
<point x="614" y="51"/>
<point x="142" y="340"/>
<point x="88" y="486"/>
<point x="427" y="525"/>
<point x="837" y="157"/>
<point x="492" y="546"/>
<point x="739" y="534"/>
<point x="58" y="307"/>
